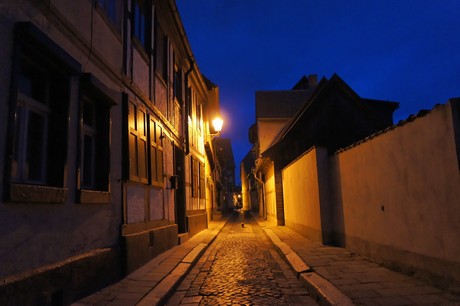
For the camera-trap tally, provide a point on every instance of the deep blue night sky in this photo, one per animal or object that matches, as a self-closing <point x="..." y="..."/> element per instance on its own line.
<point x="407" y="51"/>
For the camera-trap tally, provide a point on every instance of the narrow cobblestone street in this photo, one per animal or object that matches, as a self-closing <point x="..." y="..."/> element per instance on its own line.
<point x="241" y="268"/>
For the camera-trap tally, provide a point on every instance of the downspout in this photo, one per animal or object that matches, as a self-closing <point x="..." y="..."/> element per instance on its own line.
<point x="187" y="106"/>
<point x="264" y="214"/>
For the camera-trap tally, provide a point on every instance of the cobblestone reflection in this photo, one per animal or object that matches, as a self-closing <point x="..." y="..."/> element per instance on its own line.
<point x="241" y="268"/>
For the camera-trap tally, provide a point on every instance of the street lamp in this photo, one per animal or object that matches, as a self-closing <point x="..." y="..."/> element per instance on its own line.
<point x="217" y="124"/>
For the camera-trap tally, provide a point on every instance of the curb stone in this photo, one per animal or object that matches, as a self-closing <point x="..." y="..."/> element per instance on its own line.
<point x="163" y="290"/>
<point x="320" y="288"/>
<point x="324" y="291"/>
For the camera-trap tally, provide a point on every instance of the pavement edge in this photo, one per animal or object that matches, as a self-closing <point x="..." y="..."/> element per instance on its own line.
<point x="320" y="288"/>
<point x="163" y="290"/>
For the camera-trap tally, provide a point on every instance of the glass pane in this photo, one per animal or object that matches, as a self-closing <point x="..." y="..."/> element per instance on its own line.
<point x="142" y="150"/>
<point x="33" y="82"/>
<point x="17" y="138"/>
<point x="88" y="161"/>
<point x="35" y="147"/>
<point x="153" y="170"/>
<point x="141" y="123"/>
<point x="132" y="116"/>
<point x="88" y="113"/>
<point x="133" y="155"/>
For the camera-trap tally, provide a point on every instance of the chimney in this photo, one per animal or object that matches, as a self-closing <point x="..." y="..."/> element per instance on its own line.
<point x="312" y="80"/>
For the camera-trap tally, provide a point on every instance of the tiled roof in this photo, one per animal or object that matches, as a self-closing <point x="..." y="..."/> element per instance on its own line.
<point x="323" y="87"/>
<point x="280" y="103"/>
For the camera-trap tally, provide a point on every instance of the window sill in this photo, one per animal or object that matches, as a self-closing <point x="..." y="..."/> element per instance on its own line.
<point x="93" y="197"/>
<point x="37" y="194"/>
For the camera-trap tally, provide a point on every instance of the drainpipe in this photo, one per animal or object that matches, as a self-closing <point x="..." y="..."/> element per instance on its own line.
<point x="187" y="106"/>
<point x="264" y="213"/>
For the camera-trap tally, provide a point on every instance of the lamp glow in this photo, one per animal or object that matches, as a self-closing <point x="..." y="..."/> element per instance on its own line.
<point x="217" y="124"/>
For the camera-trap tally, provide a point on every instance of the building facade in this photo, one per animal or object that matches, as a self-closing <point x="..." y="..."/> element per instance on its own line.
<point x="101" y="146"/>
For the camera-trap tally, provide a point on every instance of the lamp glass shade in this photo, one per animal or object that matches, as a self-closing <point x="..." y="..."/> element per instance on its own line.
<point x="217" y="124"/>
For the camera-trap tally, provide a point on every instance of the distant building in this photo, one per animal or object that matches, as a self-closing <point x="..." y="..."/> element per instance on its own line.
<point x="103" y="124"/>
<point x="250" y="192"/>
<point x="328" y="113"/>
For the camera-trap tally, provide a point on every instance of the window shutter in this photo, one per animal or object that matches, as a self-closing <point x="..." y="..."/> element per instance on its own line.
<point x="137" y="143"/>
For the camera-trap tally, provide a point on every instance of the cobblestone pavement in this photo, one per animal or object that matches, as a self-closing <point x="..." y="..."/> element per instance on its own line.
<point x="241" y="268"/>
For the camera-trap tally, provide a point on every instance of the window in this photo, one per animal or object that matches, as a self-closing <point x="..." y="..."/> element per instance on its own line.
<point x="137" y="125"/>
<point x="94" y="143"/>
<point x="156" y="153"/>
<point x="40" y="127"/>
<point x="202" y="182"/>
<point x="38" y="117"/>
<point x="199" y="121"/>
<point x="195" y="172"/>
<point x="141" y="23"/>
<point x="112" y="10"/>
<point x="161" y="47"/>
<point x="145" y="142"/>
<point x="198" y="178"/>
<point x="177" y="84"/>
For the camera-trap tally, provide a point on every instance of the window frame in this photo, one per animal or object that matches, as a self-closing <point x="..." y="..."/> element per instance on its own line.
<point x="33" y="49"/>
<point x="101" y="99"/>
<point x="141" y="26"/>
<point x="161" y="53"/>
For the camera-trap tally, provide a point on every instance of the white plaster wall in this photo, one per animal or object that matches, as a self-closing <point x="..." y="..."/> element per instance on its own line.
<point x="402" y="189"/>
<point x="301" y="196"/>
<point x="268" y="129"/>
<point x="270" y="193"/>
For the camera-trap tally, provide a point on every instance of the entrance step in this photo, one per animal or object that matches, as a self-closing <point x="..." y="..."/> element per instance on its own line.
<point x="182" y="238"/>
